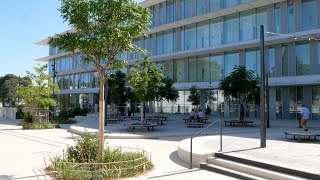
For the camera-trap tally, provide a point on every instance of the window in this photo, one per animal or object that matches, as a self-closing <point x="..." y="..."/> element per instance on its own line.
<point x="316" y="102"/>
<point x="192" y="63"/>
<point x="201" y="7"/>
<point x="309" y="14"/>
<point x="168" y="41"/>
<point x="229" y="3"/>
<point x="231" y="60"/>
<point x="216" y="31"/>
<point x="162" y="13"/>
<point x="156" y="15"/>
<point x="203" y="69"/>
<point x="279" y="103"/>
<point x="216" y="67"/>
<point x="190" y="37"/>
<point x="159" y="43"/>
<point x="168" y="68"/>
<point x="291" y="19"/>
<point x="178" y="71"/>
<point x="232" y="28"/>
<point x="203" y="34"/>
<point x="170" y="11"/>
<point x="272" y="62"/>
<point x="214" y="5"/>
<point x="247" y="25"/>
<point x="318" y="65"/>
<point x="251" y="61"/>
<point x="277" y="18"/>
<point x="262" y="19"/>
<point x="303" y="59"/>
<point x="284" y="60"/>
<point x="187" y="8"/>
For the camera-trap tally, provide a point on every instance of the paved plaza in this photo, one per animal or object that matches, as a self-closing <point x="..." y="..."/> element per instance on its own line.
<point x="22" y="151"/>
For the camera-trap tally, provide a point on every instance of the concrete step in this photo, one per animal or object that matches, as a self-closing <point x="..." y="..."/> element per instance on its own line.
<point x="271" y="167"/>
<point x="251" y="169"/>
<point x="228" y="172"/>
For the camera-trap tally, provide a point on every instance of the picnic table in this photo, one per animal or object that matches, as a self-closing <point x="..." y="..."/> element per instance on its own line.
<point x="302" y="134"/>
<point x="149" y="126"/>
<point x="189" y="120"/>
<point x="112" y="120"/>
<point x="158" y="121"/>
<point x="160" y="117"/>
<point x="237" y="122"/>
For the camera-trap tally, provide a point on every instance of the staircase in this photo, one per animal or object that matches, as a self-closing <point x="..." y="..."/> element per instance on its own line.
<point x="248" y="169"/>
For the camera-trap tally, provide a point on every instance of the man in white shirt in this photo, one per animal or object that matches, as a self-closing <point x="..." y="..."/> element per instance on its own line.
<point x="305" y="113"/>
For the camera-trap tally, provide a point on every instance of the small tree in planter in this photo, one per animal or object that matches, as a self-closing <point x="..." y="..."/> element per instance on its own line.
<point x="146" y="81"/>
<point x="194" y="97"/>
<point x="167" y="92"/>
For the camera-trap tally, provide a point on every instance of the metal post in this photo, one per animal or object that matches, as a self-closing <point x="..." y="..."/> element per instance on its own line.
<point x="106" y="101"/>
<point x="267" y="100"/>
<point x="220" y="135"/>
<point x="54" y="81"/>
<point x="262" y="92"/>
<point x="191" y="153"/>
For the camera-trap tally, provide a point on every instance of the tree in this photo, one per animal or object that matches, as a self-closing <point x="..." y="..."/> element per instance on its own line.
<point x="241" y="82"/>
<point x="102" y="30"/>
<point x="8" y="88"/>
<point x="167" y="92"/>
<point x="146" y="81"/>
<point x="38" y="93"/>
<point x="194" y="96"/>
<point x="118" y="92"/>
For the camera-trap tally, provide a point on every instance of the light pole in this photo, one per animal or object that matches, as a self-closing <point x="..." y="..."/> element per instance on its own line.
<point x="262" y="92"/>
<point x="54" y="81"/>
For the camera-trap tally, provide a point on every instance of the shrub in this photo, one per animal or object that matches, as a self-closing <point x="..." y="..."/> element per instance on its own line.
<point x="19" y="113"/>
<point x="82" y="161"/>
<point x="38" y="124"/>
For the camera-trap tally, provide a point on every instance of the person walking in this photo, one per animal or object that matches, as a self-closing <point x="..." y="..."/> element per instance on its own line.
<point x="241" y="112"/>
<point x="208" y="111"/>
<point x="305" y="113"/>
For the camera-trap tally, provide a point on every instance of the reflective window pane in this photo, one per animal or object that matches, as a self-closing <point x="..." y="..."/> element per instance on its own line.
<point x="284" y="60"/>
<point x="203" y="69"/>
<point x="159" y="43"/>
<point x="309" y="14"/>
<point x="231" y="60"/>
<point x="262" y="19"/>
<point x="303" y="59"/>
<point x="203" y="34"/>
<point x="201" y="7"/>
<point x="178" y="74"/>
<point x="171" y="11"/>
<point x="277" y="18"/>
<point x="216" y="67"/>
<point x="291" y="18"/>
<point x="316" y="103"/>
<point x="247" y="25"/>
<point x="192" y="63"/>
<point x="272" y="62"/>
<point x="168" y="41"/>
<point x="214" y="5"/>
<point x="232" y="28"/>
<point x="190" y="37"/>
<point x="216" y="31"/>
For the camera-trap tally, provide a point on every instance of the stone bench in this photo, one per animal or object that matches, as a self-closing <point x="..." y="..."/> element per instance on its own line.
<point x="195" y="124"/>
<point x="237" y="122"/>
<point x="300" y="136"/>
<point x="149" y="126"/>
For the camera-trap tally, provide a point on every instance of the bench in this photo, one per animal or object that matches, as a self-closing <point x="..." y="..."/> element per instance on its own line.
<point x="195" y="124"/>
<point x="112" y="120"/>
<point x="300" y="135"/>
<point x="189" y="120"/>
<point x="139" y="125"/>
<point x="237" y="122"/>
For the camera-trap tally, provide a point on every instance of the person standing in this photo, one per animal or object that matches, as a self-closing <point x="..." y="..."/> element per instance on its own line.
<point x="208" y="111"/>
<point x="241" y="112"/>
<point x="305" y="113"/>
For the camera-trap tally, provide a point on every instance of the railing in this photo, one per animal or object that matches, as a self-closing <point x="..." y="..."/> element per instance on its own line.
<point x="218" y="120"/>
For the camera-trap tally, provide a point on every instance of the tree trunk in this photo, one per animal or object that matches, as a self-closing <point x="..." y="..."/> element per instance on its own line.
<point x="141" y="111"/>
<point x="101" y="117"/>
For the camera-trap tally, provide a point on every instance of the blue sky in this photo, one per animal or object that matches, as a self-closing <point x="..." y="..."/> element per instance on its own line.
<point x="22" y="23"/>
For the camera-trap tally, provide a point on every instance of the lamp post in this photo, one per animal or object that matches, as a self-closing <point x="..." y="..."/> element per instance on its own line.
<point x="54" y="81"/>
<point x="262" y="92"/>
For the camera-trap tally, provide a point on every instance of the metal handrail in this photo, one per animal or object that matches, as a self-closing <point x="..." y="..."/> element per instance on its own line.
<point x="218" y="120"/>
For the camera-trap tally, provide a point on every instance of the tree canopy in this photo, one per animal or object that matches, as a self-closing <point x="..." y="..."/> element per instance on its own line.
<point x="167" y="91"/>
<point x="102" y="30"/>
<point x="8" y="88"/>
<point x="194" y="96"/>
<point x="38" y="94"/>
<point x="241" y="82"/>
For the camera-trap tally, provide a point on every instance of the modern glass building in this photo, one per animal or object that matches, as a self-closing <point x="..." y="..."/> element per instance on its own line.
<point x="200" y="41"/>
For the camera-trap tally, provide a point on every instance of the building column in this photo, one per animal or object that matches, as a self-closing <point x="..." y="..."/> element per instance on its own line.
<point x="286" y="103"/>
<point x="307" y="98"/>
<point x="272" y="103"/>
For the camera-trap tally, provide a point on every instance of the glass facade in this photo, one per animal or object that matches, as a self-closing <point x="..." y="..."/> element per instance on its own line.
<point x="201" y="64"/>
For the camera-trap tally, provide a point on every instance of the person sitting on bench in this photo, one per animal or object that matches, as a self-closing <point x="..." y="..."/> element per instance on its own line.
<point x="191" y="115"/>
<point x="201" y="114"/>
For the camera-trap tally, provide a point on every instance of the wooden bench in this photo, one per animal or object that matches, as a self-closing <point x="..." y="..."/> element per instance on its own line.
<point x="139" y="125"/>
<point x="237" y="122"/>
<point x="195" y="124"/>
<point x="300" y="135"/>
